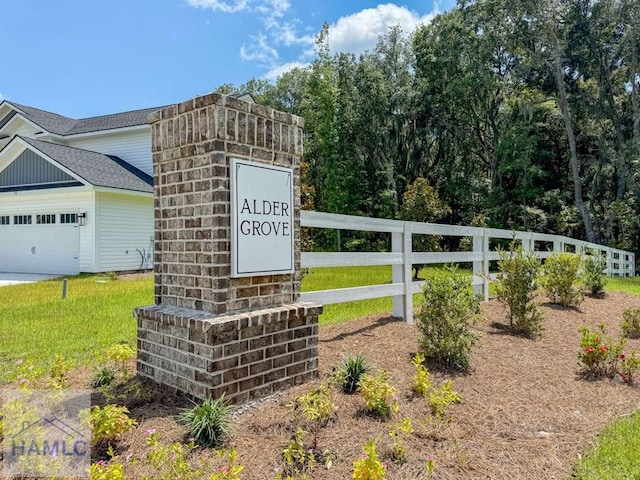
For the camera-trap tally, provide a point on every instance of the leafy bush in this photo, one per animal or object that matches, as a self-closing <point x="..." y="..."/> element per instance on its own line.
<point x="629" y="366"/>
<point x="316" y="408"/>
<point x="448" y="310"/>
<point x="561" y="279"/>
<point x="440" y="399"/>
<point x="517" y="286"/>
<point x="397" y="433"/>
<point x="232" y="470"/>
<point x="208" y="422"/>
<point x="298" y="460"/>
<point x="170" y="461"/>
<point x="369" y="467"/>
<point x="107" y="471"/>
<point x="379" y="395"/>
<point x="421" y="380"/>
<point x="351" y="370"/>
<point x="120" y="353"/>
<point x="599" y="354"/>
<point x="631" y="323"/>
<point x="593" y="275"/>
<point x="108" y="424"/>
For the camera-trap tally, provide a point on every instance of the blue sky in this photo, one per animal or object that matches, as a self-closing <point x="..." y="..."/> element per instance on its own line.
<point x="82" y="58"/>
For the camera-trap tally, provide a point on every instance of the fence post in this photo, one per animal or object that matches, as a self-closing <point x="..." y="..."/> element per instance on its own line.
<point x="485" y="263"/>
<point x="403" y="304"/>
<point x="478" y="266"/>
<point x="632" y="265"/>
<point x="609" y="262"/>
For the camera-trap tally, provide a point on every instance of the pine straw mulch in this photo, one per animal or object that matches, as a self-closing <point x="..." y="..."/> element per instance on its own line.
<point x="526" y="412"/>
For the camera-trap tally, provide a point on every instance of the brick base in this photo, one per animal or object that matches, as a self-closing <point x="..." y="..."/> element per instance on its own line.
<point x="245" y="355"/>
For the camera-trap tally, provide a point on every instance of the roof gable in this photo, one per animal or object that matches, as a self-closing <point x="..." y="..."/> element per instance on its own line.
<point x="30" y="170"/>
<point x="91" y="167"/>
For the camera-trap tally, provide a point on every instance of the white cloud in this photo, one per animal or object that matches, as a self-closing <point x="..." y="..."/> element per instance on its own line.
<point x="259" y="50"/>
<point x="275" y="72"/>
<point x="360" y="31"/>
<point x="223" y="6"/>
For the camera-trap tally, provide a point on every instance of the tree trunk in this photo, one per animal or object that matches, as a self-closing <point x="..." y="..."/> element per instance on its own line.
<point x="575" y="166"/>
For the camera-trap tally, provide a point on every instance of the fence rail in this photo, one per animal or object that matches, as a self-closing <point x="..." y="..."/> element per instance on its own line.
<point x="401" y="258"/>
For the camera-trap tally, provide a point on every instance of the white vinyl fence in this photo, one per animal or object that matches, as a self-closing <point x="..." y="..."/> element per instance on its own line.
<point x="401" y="258"/>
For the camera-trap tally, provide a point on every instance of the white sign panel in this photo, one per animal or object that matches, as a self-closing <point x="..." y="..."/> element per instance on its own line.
<point x="261" y="219"/>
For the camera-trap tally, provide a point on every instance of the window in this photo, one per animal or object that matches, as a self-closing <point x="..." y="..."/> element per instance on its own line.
<point x="46" y="218"/>
<point x="4" y="219"/>
<point x="68" y="218"/>
<point x="22" y="219"/>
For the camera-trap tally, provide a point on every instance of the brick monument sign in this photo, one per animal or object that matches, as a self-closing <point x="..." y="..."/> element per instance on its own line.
<point x="227" y="317"/>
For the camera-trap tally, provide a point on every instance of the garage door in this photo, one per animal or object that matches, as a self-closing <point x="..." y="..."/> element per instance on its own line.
<point x="38" y="244"/>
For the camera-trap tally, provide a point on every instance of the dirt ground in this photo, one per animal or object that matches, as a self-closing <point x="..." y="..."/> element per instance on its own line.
<point x="526" y="413"/>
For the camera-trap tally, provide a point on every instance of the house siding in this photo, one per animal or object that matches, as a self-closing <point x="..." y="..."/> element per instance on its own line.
<point x="34" y="202"/>
<point x="124" y="232"/>
<point x="29" y="169"/>
<point x="132" y="147"/>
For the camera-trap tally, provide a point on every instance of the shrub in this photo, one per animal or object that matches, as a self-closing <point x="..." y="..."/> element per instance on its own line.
<point x="298" y="460"/>
<point x="232" y="470"/>
<point x="440" y="399"/>
<point x="448" y="310"/>
<point x="59" y="370"/>
<point x="170" y="461"/>
<point x="379" y="395"/>
<point x="108" y="424"/>
<point x="561" y="279"/>
<point x="208" y="422"/>
<point x="517" y="286"/>
<point x="421" y="380"/>
<point x="316" y="408"/>
<point x="631" y="323"/>
<point x="593" y="275"/>
<point x="598" y="354"/>
<point x="351" y="370"/>
<point x="397" y="433"/>
<point x="629" y="366"/>
<point x="107" y="471"/>
<point x="369" y="467"/>
<point x="120" y="354"/>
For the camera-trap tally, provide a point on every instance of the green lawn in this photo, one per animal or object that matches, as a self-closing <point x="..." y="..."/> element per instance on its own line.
<point x="36" y="323"/>
<point x="615" y="455"/>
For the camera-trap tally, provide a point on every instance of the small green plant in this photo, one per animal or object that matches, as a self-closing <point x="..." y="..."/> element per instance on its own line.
<point x="107" y="471"/>
<point x="231" y="470"/>
<point x="120" y="354"/>
<point x="102" y="376"/>
<point x="351" y="370"/>
<point x="379" y="395"/>
<point x="430" y="465"/>
<point x="629" y="366"/>
<point x="170" y="461"/>
<point x="599" y="354"/>
<point x="398" y="433"/>
<point x="59" y="371"/>
<point x="315" y="409"/>
<point x="109" y="423"/>
<point x="448" y="310"/>
<point x="517" y="286"/>
<point x="441" y="398"/>
<point x="113" y="276"/>
<point x="208" y="422"/>
<point x="421" y="379"/>
<point x="561" y="279"/>
<point x="369" y="467"/>
<point x="631" y="323"/>
<point x="298" y="460"/>
<point x="593" y="275"/>
<point x="26" y="374"/>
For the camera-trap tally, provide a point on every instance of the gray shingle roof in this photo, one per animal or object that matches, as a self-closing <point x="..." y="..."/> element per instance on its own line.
<point x="61" y="125"/>
<point x="96" y="168"/>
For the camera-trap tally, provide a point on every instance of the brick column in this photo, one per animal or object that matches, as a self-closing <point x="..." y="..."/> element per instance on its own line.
<point x="192" y="145"/>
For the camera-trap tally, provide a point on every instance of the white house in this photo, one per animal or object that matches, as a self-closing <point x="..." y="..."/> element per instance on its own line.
<point x="75" y="195"/>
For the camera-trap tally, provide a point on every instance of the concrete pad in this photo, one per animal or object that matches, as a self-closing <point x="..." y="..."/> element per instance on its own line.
<point x="18" y="278"/>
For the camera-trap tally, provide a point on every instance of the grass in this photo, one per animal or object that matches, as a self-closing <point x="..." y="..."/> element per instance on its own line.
<point x="624" y="284"/>
<point x="616" y="452"/>
<point x="37" y="324"/>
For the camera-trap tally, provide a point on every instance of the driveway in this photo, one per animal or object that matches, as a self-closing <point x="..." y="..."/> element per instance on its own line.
<point x="17" y="278"/>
